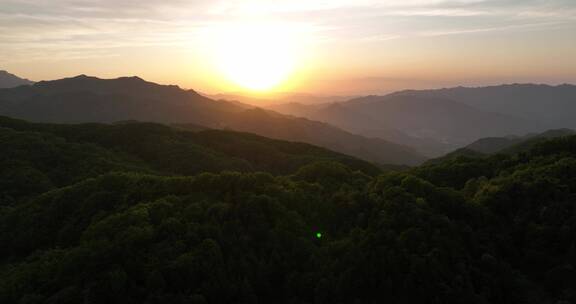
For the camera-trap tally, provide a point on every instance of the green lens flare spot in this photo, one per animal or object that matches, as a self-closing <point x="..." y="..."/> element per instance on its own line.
<point x="318" y="235"/>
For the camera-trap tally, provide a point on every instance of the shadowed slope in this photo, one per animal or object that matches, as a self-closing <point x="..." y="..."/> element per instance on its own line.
<point x="89" y="99"/>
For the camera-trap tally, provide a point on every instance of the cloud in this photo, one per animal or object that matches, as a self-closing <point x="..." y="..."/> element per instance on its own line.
<point x="494" y="29"/>
<point x="58" y="28"/>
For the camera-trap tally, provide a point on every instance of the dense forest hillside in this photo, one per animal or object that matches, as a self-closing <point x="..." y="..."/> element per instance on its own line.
<point x="90" y="99"/>
<point x="498" y="144"/>
<point x="37" y="157"/>
<point x="504" y="145"/>
<point x="137" y="225"/>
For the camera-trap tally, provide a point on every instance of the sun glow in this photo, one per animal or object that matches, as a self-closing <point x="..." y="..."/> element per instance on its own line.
<point x="257" y="57"/>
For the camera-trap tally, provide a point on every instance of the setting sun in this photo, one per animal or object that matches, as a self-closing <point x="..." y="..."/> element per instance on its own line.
<point x="256" y="57"/>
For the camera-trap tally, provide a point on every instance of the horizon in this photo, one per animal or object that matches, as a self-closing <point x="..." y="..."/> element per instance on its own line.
<point x="271" y="95"/>
<point x="317" y="47"/>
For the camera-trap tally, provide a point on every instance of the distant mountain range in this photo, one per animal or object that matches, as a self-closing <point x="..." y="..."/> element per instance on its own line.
<point x="554" y="106"/>
<point x="90" y="99"/>
<point x="8" y="80"/>
<point x="280" y="98"/>
<point x="402" y="128"/>
<point x="438" y="121"/>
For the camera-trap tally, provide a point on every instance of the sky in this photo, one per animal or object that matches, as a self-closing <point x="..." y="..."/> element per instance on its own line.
<point x="350" y="47"/>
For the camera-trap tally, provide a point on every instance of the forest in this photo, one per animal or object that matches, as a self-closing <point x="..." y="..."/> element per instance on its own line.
<point x="147" y="213"/>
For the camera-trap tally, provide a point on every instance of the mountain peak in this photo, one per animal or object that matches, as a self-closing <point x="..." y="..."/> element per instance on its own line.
<point x="83" y="76"/>
<point x="131" y="78"/>
<point x="82" y="80"/>
<point x="8" y="80"/>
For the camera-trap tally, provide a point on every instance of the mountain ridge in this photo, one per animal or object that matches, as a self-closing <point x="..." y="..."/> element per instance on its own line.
<point x="552" y="105"/>
<point x="8" y="80"/>
<point x="432" y="125"/>
<point x="516" y="109"/>
<point x="91" y="99"/>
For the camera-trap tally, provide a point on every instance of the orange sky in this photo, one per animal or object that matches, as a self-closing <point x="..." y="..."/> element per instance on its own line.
<point x="343" y="46"/>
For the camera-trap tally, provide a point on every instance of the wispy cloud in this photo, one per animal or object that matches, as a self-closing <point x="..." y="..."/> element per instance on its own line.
<point x="62" y="26"/>
<point x="494" y="29"/>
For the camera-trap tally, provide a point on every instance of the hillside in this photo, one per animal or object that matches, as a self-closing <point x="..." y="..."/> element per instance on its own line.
<point x="500" y="229"/>
<point x="89" y="99"/>
<point x="505" y="145"/>
<point x="497" y="144"/>
<point x="36" y="157"/>
<point x="275" y="125"/>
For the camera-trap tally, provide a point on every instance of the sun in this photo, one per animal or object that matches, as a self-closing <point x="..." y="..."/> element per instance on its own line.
<point x="256" y="57"/>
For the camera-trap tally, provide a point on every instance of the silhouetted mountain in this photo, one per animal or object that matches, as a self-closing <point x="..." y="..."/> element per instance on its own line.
<point x="444" y="120"/>
<point x="553" y="106"/>
<point x="8" y="80"/>
<point x="90" y="99"/>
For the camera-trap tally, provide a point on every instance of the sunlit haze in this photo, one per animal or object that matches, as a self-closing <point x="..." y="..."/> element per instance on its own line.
<point x="256" y="56"/>
<point x="325" y="47"/>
